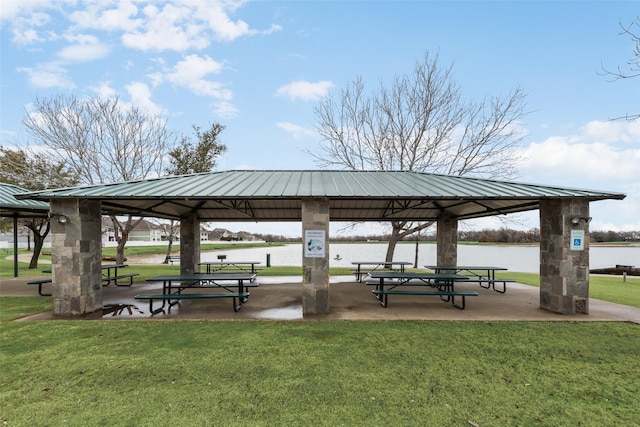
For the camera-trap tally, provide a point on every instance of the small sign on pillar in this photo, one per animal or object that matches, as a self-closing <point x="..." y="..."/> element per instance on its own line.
<point x="577" y="240"/>
<point x="314" y="243"/>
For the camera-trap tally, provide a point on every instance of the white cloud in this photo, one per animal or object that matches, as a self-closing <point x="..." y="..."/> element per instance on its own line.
<point x="47" y="76"/>
<point x="12" y="9"/>
<point x="295" y="130"/>
<point x="603" y="156"/>
<point x="26" y="37"/>
<point x="85" y="48"/>
<point x="100" y="16"/>
<point x="104" y="90"/>
<point x="223" y="27"/>
<point x="25" y="28"/>
<point x="191" y="73"/>
<point x="169" y="28"/>
<point x="600" y="154"/>
<point x="612" y="132"/>
<point x="225" y="110"/>
<point x="141" y="98"/>
<point x="304" y="90"/>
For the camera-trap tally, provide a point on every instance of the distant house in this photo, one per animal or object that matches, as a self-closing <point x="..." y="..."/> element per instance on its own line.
<point x="230" y="237"/>
<point x="204" y="234"/>
<point x="226" y="235"/>
<point x="108" y="232"/>
<point x="147" y="231"/>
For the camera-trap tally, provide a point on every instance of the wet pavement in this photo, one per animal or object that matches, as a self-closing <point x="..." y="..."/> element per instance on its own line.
<point x="280" y="298"/>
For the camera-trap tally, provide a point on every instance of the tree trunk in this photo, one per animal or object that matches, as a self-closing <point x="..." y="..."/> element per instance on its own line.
<point x="393" y="240"/>
<point x="37" y="226"/>
<point x="415" y="260"/>
<point x="38" y="243"/>
<point x="169" y="246"/>
<point x="122" y="241"/>
<point x="122" y="234"/>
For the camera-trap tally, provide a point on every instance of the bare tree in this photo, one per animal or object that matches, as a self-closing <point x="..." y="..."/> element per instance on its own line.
<point x="632" y="67"/>
<point x="421" y="123"/>
<point x="102" y="141"/>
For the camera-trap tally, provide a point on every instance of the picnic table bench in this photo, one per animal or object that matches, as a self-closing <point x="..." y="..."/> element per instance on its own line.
<point x="442" y="284"/>
<point x="110" y="274"/>
<point x="450" y="295"/>
<point x="360" y="270"/>
<point x="237" y="296"/>
<point x="483" y="275"/>
<point x="230" y="266"/>
<point x="173" y="258"/>
<point x="173" y="287"/>
<point x="40" y="283"/>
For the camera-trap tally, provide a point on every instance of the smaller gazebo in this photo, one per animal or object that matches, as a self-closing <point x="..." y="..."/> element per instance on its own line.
<point x="14" y="208"/>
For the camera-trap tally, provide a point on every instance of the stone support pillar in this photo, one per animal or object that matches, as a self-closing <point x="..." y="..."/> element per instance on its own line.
<point x="447" y="234"/>
<point x="189" y="244"/>
<point x="76" y="257"/>
<point x="315" y="256"/>
<point x="564" y="264"/>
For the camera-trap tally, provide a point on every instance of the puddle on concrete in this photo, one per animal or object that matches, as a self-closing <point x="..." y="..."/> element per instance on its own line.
<point x="284" y="313"/>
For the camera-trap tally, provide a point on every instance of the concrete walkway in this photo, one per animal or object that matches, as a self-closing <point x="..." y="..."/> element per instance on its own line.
<point x="280" y="298"/>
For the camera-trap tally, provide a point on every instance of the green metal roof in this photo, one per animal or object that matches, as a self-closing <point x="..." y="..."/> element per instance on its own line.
<point x="10" y="206"/>
<point x="276" y="195"/>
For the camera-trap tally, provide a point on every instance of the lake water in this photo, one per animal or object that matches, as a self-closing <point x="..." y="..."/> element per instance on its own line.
<point x="516" y="258"/>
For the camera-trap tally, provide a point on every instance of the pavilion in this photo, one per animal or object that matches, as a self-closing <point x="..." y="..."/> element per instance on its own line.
<point x="314" y="198"/>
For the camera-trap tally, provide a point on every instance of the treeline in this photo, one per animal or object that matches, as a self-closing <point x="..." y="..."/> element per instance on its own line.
<point x="502" y="235"/>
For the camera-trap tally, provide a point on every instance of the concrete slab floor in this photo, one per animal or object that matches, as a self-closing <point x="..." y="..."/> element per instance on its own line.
<point x="280" y="298"/>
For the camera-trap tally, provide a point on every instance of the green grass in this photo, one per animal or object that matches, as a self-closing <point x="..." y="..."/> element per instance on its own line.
<point x="321" y="373"/>
<point x="605" y="288"/>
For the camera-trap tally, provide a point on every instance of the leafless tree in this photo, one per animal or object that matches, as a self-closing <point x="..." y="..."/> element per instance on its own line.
<point x="632" y="67"/>
<point x="102" y="141"/>
<point x="420" y="123"/>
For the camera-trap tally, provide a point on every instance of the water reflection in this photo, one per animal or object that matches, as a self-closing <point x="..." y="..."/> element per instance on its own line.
<point x="119" y="309"/>
<point x="284" y="313"/>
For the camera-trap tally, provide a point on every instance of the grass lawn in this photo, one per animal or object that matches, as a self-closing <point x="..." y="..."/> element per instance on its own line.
<point x="320" y="373"/>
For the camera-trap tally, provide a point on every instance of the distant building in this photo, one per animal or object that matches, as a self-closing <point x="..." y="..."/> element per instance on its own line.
<point x="147" y="231"/>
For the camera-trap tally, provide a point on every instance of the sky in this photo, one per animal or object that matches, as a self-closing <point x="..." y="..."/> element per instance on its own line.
<point x="259" y="68"/>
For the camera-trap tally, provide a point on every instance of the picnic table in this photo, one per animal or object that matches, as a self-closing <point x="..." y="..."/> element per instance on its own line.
<point x="41" y="282"/>
<point x="485" y="276"/>
<point x="230" y="266"/>
<point x="174" y="286"/>
<point x="407" y="283"/>
<point x="360" y="272"/>
<point x="110" y="274"/>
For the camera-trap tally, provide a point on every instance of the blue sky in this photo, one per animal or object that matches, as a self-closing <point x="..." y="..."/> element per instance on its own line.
<point x="259" y="68"/>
